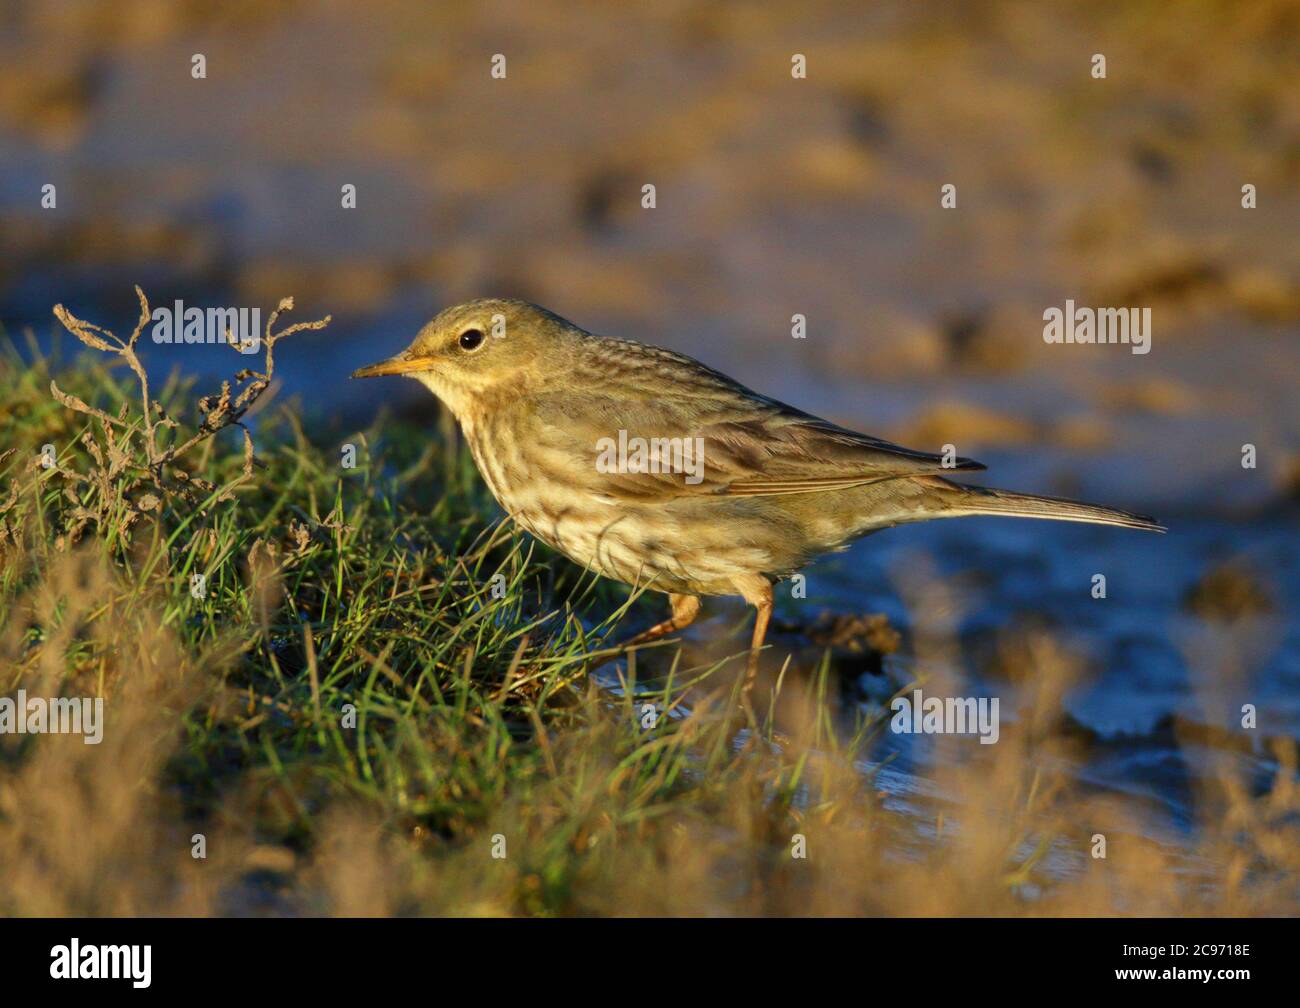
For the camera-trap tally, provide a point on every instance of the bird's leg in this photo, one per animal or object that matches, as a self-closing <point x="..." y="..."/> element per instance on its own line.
<point x="685" y="609"/>
<point x="761" y="617"/>
<point x="757" y="591"/>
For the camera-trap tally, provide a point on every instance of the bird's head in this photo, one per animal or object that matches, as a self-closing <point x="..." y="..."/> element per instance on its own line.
<point x="481" y="347"/>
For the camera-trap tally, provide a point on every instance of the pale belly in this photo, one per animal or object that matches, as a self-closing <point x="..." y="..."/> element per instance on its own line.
<point x="686" y="546"/>
<point x="643" y="547"/>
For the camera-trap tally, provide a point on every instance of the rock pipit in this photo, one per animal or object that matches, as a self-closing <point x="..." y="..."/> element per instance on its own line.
<point x="650" y="468"/>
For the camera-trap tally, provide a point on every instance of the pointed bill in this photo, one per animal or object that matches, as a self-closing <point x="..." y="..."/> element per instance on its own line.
<point x="393" y="366"/>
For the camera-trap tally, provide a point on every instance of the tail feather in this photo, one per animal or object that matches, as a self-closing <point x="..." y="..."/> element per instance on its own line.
<point x="985" y="501"/>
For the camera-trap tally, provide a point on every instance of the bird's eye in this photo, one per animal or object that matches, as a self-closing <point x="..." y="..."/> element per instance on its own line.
<point x="471" y="340"/>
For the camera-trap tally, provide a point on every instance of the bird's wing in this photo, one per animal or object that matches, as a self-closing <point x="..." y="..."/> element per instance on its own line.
<point x="752" y="445"/>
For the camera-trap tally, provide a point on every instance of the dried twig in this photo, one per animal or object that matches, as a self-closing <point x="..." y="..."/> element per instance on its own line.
<point x="132" y="474"/>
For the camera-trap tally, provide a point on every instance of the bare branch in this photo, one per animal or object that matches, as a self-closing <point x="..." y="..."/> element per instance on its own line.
<point x="86" y="331"/>
<point x="119" y="472"/>
<point x="73" y="403"/>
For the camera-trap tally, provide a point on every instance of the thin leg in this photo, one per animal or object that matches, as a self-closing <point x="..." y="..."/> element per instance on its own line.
<point x="757" y="591"/>
<point x="761" y="618"/>
<point x="685" y="609"/>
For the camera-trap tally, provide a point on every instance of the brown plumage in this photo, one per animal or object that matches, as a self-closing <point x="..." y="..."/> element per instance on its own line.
<point x="542" y="401"/>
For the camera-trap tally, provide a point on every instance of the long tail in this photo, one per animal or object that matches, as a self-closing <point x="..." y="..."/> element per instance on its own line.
<point x="971" y="500"/>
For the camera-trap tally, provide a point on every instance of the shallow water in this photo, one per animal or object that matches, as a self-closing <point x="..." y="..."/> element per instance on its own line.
<point x="1137" y="645"/>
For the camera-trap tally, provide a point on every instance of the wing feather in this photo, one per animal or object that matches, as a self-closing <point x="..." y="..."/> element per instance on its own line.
<point x="753" y="445"/>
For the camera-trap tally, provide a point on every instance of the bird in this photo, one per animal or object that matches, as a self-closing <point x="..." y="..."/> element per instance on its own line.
<point x="650" y="468"/>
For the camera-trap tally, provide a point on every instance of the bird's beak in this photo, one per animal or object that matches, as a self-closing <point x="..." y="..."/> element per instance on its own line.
<point x="403" y="363"/>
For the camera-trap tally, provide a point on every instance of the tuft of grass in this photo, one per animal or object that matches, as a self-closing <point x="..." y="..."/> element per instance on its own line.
<point x="355" y="691"/>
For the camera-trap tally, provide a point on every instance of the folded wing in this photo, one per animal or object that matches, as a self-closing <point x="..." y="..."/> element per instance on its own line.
<point x="752" y="445"/>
